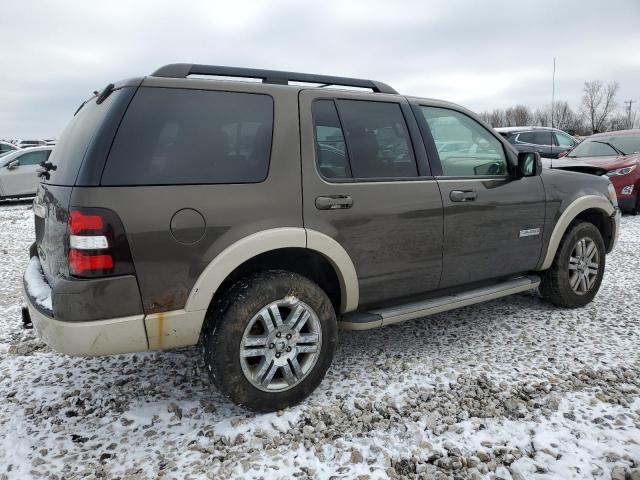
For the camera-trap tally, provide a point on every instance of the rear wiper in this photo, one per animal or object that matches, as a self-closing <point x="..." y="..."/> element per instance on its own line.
<point x="618" y="151"/>
<point x="105" y="93"/>
<point x="101" y="97"/>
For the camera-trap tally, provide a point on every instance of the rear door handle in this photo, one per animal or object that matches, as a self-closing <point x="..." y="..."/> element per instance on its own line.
<point x="334" y="202"/>
<point x="463" y="195"/>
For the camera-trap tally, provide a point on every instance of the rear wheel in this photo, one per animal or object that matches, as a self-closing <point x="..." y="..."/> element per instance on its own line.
<point x="271" y="341"/>
<point x="578" y="267"/>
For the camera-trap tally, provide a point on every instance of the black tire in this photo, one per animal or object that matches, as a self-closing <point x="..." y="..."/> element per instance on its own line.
<point x="224" y="330"/>
<point x="555" y="285"/>
<point x="636" y="209"/>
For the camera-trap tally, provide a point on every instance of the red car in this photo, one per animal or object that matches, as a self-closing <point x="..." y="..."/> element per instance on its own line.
<point x="619" y="154"/>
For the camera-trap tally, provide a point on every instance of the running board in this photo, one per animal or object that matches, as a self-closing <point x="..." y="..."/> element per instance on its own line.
<point x="386" y="316"/>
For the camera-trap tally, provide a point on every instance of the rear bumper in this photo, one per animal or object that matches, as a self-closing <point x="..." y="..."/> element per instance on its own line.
<point x="114" y="335"/>
<point x="87" y="339"/>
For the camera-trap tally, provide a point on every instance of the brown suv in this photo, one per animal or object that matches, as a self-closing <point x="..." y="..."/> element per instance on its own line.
<point x="257" y="218"/>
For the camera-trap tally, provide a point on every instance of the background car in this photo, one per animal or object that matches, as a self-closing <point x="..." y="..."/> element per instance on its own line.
<point x="18" y="176"/>
<point x="549" y="142"/>
<point x="6" y="147"/>
<point x="29" y="143"/>
<point x="619" y="154"/>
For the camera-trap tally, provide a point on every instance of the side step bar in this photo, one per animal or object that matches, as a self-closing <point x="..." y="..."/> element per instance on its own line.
<point x="387" y="316"/>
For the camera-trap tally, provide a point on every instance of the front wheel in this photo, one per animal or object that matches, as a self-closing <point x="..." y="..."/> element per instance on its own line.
<point x="578" y="267"/>
<point x="271" y="341"/>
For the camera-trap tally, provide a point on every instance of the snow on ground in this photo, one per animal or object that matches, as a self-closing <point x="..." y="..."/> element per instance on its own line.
<point x="513" y="388"/>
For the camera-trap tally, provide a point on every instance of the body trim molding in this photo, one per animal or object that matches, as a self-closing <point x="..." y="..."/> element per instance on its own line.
<point x="264" y="241"/>
<point x="342" y="264"/>
<point x="570" y="213"/>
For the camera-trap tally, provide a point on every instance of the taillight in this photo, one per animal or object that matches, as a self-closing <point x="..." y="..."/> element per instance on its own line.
<point x="98" y="245"/>
<point x="80" y="222"/>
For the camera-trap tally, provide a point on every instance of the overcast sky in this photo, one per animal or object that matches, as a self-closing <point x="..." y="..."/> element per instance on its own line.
<point x="479" y="53"/>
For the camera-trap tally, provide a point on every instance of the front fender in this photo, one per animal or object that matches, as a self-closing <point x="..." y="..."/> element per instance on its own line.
<point x="569" y="214"/>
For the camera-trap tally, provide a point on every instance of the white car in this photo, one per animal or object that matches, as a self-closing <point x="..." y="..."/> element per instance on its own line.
<point x="6" y="147"/>
<point x="18" y="176"/>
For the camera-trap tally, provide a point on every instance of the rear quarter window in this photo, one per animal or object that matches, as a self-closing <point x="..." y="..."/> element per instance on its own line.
<point x="179" y="136"/>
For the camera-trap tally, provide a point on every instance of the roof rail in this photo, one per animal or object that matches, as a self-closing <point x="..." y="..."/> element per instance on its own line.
<point x="183" y="70"/>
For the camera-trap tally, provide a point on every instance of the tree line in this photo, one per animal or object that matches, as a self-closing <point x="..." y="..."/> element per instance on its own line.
<point x="598" y="111"/>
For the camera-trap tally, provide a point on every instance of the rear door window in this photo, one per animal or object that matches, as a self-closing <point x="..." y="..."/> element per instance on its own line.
<point x="377" y="138"/>
<point x="362" y="140"/>
<point x="544" y="138"/>
<point x="331" y="149"/>
<point x="179" y="136"/>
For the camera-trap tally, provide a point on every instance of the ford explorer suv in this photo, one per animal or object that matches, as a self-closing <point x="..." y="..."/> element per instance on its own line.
<point x="257" y="218"/>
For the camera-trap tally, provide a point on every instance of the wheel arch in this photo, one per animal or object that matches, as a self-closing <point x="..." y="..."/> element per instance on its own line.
<point x="271" y="249"/>
<point x="592" y="208"/>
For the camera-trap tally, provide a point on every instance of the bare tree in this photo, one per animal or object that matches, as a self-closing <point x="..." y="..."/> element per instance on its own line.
<point x="518" y="116"/>
<point x="598" y="103"/>
<point x="619" y="121"/>
<point x="494" y="118"/>
<point x="542" y="117"/>
<point x="497" y="118"/>
<point x="565" y="118"/>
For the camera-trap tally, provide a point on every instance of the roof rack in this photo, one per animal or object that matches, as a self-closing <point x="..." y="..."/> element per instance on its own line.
<point x="183" y="70"/>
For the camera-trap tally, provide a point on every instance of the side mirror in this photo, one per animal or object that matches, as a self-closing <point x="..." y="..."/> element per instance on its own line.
<point x="13" y="164"/>
<point x="529" y="165"/>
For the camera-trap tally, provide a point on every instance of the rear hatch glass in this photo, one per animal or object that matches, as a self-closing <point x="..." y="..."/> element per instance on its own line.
<point x="77" y="137"/>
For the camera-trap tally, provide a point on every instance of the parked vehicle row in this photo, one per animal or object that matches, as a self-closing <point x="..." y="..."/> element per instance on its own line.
<point x="20" y="143"/>
<point x="18" y="171"/>
<point x="270" y="214"/>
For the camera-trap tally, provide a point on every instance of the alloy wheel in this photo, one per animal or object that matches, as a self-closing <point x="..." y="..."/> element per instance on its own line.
<point x="280" y="345"/>
<point x="583" y="266"/>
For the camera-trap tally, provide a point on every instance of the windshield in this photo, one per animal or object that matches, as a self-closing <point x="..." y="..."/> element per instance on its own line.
<point x="607" y="146"/>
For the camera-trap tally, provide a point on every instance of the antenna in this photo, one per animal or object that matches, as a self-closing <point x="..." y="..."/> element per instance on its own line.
<point x="630" y="103"/>
<point x="553" y="89"/>
<point x="553" y="98"/>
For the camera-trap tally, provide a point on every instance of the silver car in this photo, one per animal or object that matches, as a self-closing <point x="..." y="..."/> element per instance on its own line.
<point x="18" y="176"/>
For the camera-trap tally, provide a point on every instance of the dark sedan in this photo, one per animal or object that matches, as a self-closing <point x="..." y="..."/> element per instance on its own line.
<point x="549" y="142"/>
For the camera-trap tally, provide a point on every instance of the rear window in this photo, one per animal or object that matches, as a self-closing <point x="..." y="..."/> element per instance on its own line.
<point x="76" y="138"/>
<point x="527" y="137"/>
<point x="178" y="136"/>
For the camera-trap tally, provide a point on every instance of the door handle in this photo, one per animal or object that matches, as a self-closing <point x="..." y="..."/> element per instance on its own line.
<point x="463" y="195"/>
<point x="334" y="202"/>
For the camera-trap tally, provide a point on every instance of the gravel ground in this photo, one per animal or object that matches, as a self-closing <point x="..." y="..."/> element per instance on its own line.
<point x="509" y="389"/>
